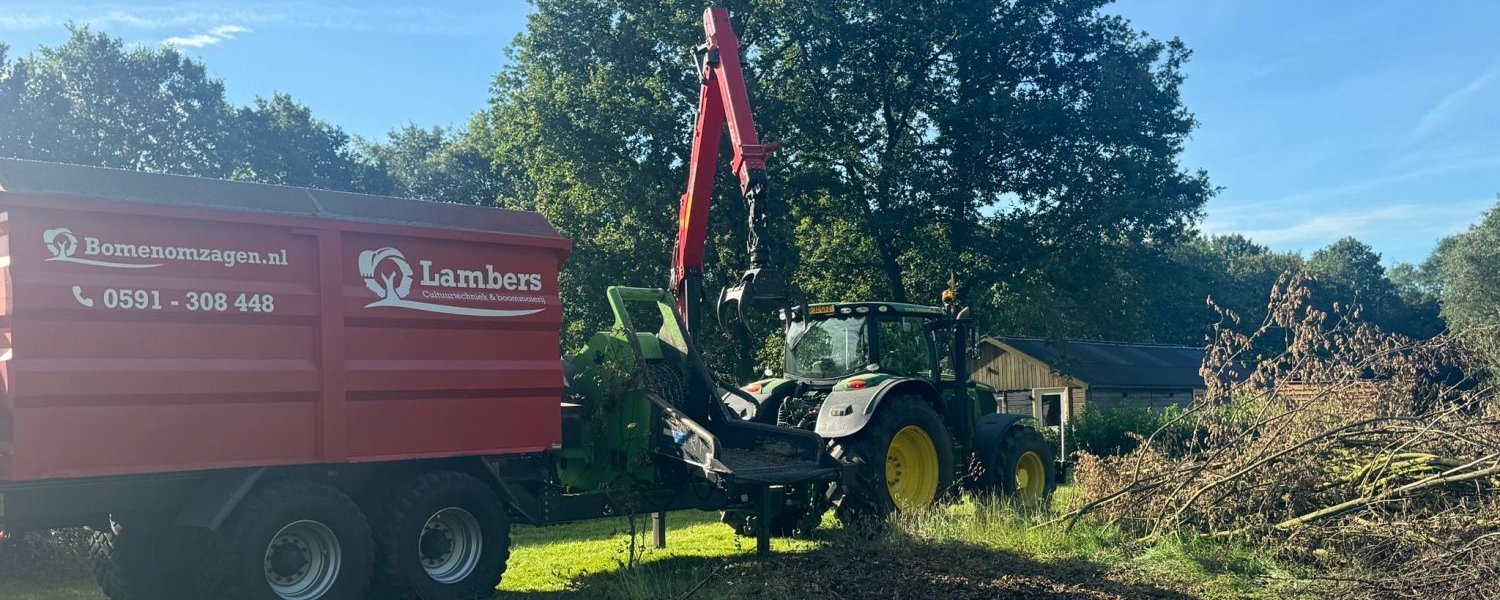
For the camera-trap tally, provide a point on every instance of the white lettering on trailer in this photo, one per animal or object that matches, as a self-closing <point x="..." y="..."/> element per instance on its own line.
<point x="390" y="277"/>
<point x="64" y="246"/>
<point x="152" y="300"/>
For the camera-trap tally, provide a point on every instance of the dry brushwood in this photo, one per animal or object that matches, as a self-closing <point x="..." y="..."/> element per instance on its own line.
<point x="1328" y="441"/>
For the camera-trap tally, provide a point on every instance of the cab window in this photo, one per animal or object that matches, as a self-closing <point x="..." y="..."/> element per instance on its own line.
<point x="905" y="346"/>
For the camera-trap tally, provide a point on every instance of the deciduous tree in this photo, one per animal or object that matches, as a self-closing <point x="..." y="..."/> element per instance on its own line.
<point x="1030" y="146"/>
<point x="278" y="140"/>
<point x="92" y="101"/>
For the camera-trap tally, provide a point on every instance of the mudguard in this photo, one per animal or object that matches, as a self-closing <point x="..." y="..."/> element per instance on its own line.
<point x="217" y="497"/>
<point x="990" y="430"/>
<point x="846" y="411"/>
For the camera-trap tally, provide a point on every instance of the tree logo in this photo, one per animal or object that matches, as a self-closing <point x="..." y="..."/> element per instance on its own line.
<point x="61" y="242"/>
<point x="393" y="286"/>
<point x="389" y="276"/>
<point x="63" y="245"/>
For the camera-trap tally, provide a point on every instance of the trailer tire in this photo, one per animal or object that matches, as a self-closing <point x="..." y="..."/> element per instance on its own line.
<point x="1021" y="468"/>
<point x="292" y="540"/>
<point x="445" y="536"/>
<point x="152" y="561"/>
<point x="902" y="428"/>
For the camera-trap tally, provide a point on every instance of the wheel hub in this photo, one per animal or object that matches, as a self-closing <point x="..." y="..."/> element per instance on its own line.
<point x="450" y="545"/>
<point x="1031" y="478"/>
<point x="437" y="544"/>
<point x="911" y="468"/>
<point x="302" y="561"/>
<point x="288" y="559"/>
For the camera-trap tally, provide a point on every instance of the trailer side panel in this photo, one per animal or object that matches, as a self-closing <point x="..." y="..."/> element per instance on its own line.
<point x="152" y="337"/>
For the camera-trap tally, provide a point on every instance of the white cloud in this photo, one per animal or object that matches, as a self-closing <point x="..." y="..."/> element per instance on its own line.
<point x="1252" y="209"/>
<point x="1318" y="227"/>
<point x="168" y="15"/>
<point x="1454" y="104"/>
<point x="213" y="36"/>
<point x="141" y="16"/>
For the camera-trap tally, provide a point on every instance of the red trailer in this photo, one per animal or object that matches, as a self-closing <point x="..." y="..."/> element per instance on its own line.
<point x="263" y="392"/>
<point x="159" y="324"/>
<point x="268" y="385"/>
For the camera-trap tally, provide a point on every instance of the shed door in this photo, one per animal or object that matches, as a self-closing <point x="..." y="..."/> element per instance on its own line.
<point x="1051" y="409"/>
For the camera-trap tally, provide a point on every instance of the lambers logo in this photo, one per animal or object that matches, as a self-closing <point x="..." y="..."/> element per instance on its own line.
<point x="390" y="277"/>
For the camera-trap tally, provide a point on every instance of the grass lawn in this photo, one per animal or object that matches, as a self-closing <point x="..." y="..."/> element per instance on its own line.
<point x="966" y="550"/>
<point x="547" y="559"/>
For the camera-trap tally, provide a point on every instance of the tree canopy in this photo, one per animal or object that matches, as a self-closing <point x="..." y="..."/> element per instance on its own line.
<point x="93" y="101"/>
<point x="1467" y="270"/>
<point x="1030" y="147"/>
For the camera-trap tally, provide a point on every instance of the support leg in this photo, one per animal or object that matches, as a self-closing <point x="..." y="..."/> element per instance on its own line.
<point x="767" y="509"/>
<point x="659" y="530"/>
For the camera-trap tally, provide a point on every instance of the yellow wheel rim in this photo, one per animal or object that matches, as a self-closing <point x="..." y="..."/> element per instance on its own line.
<point x="911" y="468"/>
<point x="1031" y="478"/>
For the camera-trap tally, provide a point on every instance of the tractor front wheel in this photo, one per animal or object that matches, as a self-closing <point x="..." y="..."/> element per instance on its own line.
<point x="902" y="460"/>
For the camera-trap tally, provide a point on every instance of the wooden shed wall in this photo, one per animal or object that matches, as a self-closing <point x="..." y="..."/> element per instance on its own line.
<point x="1005" y="370"/>
<point x="1017" y="375"/>
<point x="1021" y="402"/>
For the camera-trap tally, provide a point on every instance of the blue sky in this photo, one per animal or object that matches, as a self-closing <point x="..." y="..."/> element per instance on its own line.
<point x="1377" y="119"/>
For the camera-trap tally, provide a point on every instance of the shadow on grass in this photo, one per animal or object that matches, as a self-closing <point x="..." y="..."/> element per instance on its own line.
<point x="604" y="529"/>
<point x="851" y="567"/>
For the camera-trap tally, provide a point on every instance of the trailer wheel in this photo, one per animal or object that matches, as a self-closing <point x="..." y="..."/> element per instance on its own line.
<point x="152" y="561"/>
<point x="292" y="540"/>
<point x="903" y="461"/>
<point x="446" y="536"/>
<point x="1021" y="468"/>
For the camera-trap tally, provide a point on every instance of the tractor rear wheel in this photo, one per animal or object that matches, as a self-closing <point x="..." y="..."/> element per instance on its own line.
<point x="1021" y="468"/>
<point x="903" y="460"/>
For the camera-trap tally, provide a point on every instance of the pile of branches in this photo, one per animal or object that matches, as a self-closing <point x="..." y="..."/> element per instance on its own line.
<point x="1325" y="440"/>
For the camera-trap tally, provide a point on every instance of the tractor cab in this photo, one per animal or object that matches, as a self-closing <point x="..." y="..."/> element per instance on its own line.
<point x="828" y="343"/>
<point x="850" y="346"/>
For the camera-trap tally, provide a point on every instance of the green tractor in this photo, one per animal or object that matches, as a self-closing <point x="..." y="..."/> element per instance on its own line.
<point x="886" y="385"/>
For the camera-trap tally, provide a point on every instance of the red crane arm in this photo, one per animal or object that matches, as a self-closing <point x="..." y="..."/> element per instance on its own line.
<point x="722" y="101"/>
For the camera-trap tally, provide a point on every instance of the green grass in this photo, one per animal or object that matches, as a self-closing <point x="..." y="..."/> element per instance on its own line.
<point x="76" y="590"/>
<point x="547" y="559"/>
<point x="965" y="550"/>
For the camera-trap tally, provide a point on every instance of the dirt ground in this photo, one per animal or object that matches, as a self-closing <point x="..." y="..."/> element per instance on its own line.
<point x="915" y="572"/>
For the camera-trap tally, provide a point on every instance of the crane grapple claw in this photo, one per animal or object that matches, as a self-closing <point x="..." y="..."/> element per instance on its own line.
<point x="757" y="286"/>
